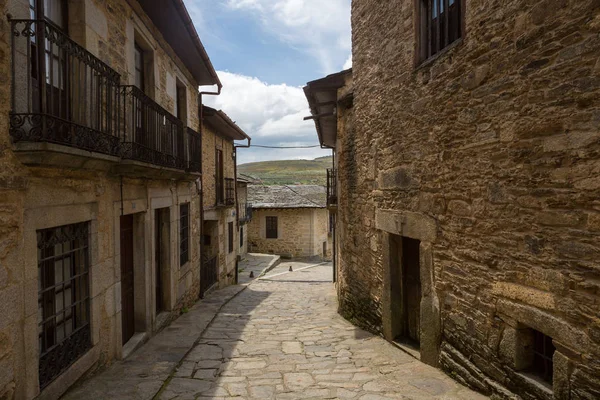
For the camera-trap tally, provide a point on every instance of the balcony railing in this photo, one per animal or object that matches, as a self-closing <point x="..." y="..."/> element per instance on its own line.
<point x="229" y="191"/>
<point x="332" y="187"/>
<point x="194" y="150"/>
<point x="150" y="133"/>
<point x="245" y="213"/>
<point x="61" y="93"/>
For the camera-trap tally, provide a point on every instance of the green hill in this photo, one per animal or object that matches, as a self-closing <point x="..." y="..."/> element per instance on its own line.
<point x="289" y="172"/>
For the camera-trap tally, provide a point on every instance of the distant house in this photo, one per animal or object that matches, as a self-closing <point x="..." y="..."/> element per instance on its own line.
<point x="291" y="221"/>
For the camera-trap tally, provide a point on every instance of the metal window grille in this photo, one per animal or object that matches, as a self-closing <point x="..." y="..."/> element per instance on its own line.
<point x="230" y="227"/>
<point x="543" y="351"/>
<point x="63" y="298"/>
<point x="440" y="25"/>
<point x="271" y="227"/>
<point x="184" y="225"/>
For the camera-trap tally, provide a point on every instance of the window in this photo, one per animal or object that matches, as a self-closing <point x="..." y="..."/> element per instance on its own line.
<point x="241" y="236"/>
<point x="543" y="351"/>
<point x="184" y="231"/>
<point x="440" y="24"/>
<point x="181" y="103"/>
<point x="139" y="68"/>
<point x="63" y="298"/>
<point x="219" y="177"/>
<point x="271" y="227"/>
<point x="230" y="226"/>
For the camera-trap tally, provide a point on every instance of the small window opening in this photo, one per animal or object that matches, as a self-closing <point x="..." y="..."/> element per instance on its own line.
<point x="543" y="351"/>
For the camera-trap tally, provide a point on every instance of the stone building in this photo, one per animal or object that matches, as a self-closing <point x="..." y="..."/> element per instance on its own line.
<point x="244" y="212"/>
<point x="100" y="161"/>
<point x="291" y="221"/>
<point x="220" y="226"/>
<point x="468" y="186"/>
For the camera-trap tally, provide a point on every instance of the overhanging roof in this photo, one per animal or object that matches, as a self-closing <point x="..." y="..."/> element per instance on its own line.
<point x="174" y="22"/>
<point x="322" y="96"/>
<point x="222" y="124"/>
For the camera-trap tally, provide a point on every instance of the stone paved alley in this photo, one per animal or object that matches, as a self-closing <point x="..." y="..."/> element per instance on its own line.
<point x="281" y="338"/>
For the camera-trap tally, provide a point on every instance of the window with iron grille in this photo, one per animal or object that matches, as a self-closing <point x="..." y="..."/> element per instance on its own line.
<point x="230" y="228"/>
<point x="440" y="24"/>
<point x="271" y="227"/>
<point x="63" y="298"/>
<point x="543" y="351"/>
<point x="184" y="231"/>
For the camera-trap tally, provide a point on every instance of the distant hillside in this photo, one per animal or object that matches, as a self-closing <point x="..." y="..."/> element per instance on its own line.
<point x="289" y="172"/>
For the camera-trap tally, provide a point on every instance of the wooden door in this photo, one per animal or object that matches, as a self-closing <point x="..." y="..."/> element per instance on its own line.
<point x="127" y="292"/>
<point x="412" y="288"/>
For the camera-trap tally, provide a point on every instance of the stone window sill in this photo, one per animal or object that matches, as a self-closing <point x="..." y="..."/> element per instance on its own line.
<point x="537" y="383"/>
<point x="431" y="60"/>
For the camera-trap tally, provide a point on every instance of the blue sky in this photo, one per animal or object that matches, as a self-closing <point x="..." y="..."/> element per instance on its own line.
<point x="264" y="52"/>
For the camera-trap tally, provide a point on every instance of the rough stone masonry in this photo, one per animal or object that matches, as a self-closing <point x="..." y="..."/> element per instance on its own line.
<point x="488" y="155"/>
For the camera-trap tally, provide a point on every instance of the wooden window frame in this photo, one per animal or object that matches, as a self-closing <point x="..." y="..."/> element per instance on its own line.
<point x="184" y="233"/>
<point x="142" y="70"/>
<point x="272" y="228"/>
<point x="423" y="51"/>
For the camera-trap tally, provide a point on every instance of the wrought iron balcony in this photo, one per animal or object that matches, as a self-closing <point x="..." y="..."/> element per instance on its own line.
<point x="194" y="150"/>
<point x="332" y="187"/>
<point x="151" y="134"/>
<point x="245" y="213"/>
<point x="61" y="93"/>
<point x="229" y="191"/>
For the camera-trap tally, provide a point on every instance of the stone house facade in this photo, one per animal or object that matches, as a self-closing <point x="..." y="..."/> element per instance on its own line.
<point x="244" y="212"/>
<point x="220" y="224"/>
<point x="100" y="212"/>
<point x="468" y="189"/>
<point x="291" y="221"/>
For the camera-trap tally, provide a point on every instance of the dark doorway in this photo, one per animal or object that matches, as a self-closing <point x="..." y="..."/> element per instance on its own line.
<point x="405" y="285"/>
<point x="161" y="256"/>
<point x="127" y="282"/>
<point x="412" y="288"/>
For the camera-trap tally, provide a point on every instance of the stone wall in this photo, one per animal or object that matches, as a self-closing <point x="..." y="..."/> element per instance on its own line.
<point x="301" y="232"/>
<point x="497" y="141"/>
<point x="37" y="197"/>
<point x="211" y="142"/>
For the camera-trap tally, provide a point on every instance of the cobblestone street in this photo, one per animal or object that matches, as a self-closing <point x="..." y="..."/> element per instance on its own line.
<point x="281" y="338"/>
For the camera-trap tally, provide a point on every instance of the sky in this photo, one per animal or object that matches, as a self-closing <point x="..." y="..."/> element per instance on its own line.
<point x="264" y="52"/>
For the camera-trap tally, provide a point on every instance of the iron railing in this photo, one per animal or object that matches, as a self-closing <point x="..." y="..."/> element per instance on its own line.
<point x="229" y="191"/>
<point x="245" y="213"/>
<point x="332" y="187"/>
<point x="194" y="141"/>
<point x="209" y="274"/>
<point x="150" y="133"/>
<point x="61" y="93"/>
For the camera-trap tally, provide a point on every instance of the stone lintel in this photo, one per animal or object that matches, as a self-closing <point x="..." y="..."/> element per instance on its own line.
<point x="544" y="322"/>
<point x="406" y="223"/>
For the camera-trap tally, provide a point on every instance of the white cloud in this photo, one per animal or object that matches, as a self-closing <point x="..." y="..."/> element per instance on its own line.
<point x="271" y="114"/>
<point x="348" y="63"/>
<point x="321" y="28"/>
